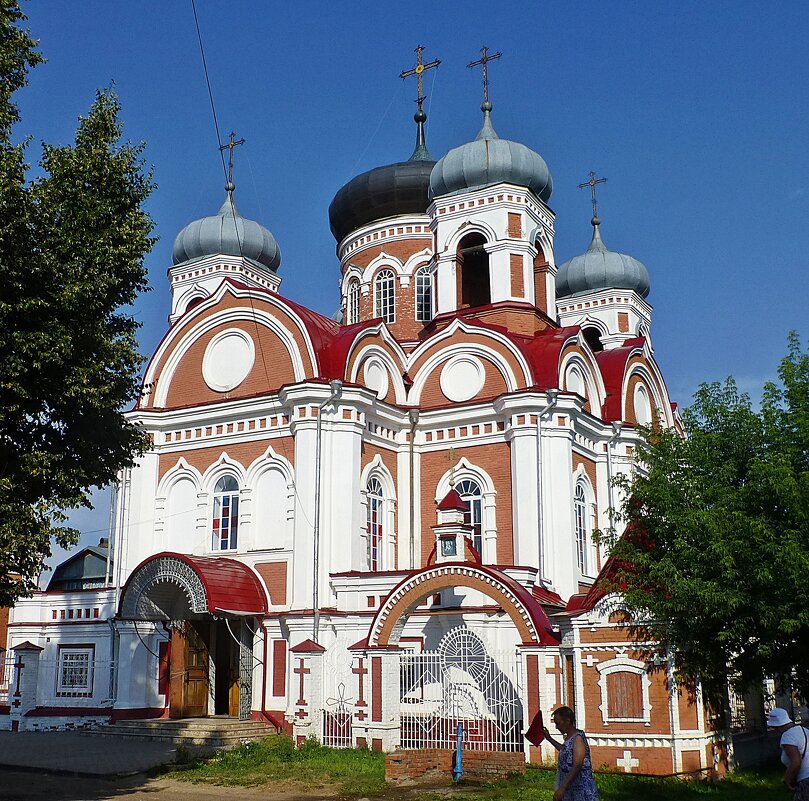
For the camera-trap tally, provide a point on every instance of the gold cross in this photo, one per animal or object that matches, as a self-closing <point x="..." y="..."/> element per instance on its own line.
<point x="592" y="184"/>
<point x="230" y="146"/>
<point x="418" y="71"/>
<point x="486" y="58"/>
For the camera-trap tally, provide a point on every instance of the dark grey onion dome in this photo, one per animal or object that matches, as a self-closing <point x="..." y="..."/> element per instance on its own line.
<point x="389" y="191"/>
<point x="600" y="268"/>
<point x="490" y="160"/>
<point x="227" y="233"/>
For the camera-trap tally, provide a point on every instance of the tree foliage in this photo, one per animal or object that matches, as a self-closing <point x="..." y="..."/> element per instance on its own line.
<point x="715" y="555"/>
<point x="72" y="244"/>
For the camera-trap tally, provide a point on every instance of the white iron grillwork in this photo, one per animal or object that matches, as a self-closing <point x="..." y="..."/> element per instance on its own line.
<point x="6" y="676"/>
<point x="136" y="604"/>
<point x="337" y="720"/>
<point x="461" y="683"/>
<point x="245" y="671"/>
<point x="85" y="683"/>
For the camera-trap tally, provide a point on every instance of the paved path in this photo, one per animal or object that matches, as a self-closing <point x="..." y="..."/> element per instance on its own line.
<point x="70" y="753"/>
<point x="28" y="786"/>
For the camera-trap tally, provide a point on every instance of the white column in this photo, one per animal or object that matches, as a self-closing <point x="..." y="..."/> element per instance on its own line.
<point x="302" y="567"/>
<point x="339" y="491"/>
<point x="524" y="489"/>
<point x="446" y="284"/>
<point x="557" y="482"/>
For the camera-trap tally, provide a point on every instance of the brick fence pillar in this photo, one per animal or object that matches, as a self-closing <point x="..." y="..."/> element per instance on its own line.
<point x="306" y="690"/>
<point x="22" y="692"/>
<point x="384" y="726"/>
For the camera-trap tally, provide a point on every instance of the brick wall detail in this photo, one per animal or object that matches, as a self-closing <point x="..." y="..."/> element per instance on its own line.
<point x="429" y="764"/>
<point x="517" y="282"/>
<point x="279" y="667"/>
<point x="275" y="577"/>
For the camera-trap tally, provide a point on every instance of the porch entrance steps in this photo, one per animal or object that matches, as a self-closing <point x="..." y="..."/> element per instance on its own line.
<point x="209" y="732"/>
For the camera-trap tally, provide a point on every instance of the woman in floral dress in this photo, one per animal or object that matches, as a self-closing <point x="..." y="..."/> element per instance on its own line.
<point x="574" y="775"/>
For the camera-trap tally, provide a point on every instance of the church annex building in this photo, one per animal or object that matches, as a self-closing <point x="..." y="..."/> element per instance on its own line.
<point x="369" y="530"/>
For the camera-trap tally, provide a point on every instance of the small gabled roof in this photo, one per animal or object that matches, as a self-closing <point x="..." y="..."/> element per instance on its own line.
<point x="452" y="500"/>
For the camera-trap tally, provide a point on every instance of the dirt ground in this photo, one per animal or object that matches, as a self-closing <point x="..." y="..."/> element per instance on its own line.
<point x="32" y="786"/>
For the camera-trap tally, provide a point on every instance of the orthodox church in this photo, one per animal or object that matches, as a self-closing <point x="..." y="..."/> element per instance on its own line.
<point x="370" y="529"/>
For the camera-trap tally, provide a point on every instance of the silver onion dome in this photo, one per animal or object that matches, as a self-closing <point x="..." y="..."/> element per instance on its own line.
<point x="490" y="160"/>
<point x="601" y="268"/>
<point x="227" y="233"/>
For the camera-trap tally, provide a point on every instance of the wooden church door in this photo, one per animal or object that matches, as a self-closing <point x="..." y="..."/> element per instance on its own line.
<point x="189" y="673"/>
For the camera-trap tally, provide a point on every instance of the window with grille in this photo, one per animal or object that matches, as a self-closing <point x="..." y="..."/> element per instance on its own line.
<point x="376" y="502"/>
<point x="469" y="491"/>
<point x="353" y="302"/>
<point x="75" y="671"/>
<point x="385" y="296"/>
<point x="624" y="696"/>
<point x="424" y="294"/>
<point x="580" y="518"/>
<point x="225" y="514"/>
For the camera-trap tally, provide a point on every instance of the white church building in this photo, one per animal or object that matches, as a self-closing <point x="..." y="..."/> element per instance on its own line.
<point x="371" y="529"/>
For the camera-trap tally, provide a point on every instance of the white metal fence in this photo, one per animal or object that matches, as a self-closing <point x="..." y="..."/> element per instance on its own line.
<point x="460" y="683"/>
<point x="6" y="678"/>
<point x="75" y="680"/>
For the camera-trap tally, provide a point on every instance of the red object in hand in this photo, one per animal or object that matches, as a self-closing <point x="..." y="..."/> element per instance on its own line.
<point x="535" y="734"/>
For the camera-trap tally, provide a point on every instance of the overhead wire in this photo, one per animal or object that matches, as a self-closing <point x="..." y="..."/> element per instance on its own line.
<point x="253" y="314"/>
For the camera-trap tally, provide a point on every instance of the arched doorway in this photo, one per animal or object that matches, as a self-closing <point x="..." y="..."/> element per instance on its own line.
<point x="206" y="607"/>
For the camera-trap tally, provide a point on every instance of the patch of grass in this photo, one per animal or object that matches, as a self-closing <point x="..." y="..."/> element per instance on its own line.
<point x="537" y="785"/>
<point x="352" y="772"/>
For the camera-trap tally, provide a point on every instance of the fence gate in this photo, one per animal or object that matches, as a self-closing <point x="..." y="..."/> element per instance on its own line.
<point x="460" y="682"/>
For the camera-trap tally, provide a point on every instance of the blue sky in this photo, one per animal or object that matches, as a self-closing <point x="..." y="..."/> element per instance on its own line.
<point x="697" y="113"/>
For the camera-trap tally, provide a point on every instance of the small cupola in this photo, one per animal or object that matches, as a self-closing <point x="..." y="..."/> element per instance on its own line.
<point x="601" y="268"/>
<point x="227" y="233"/>
<point x="604" y="292"/>
<point x="222" y="246"/>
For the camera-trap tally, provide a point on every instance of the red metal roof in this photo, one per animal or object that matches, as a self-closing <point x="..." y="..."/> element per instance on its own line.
<point x="307" y="647"/>
<point x="547" y="596"/>
<point x="612" y="364"/>
<point x="453" y="501"/>
<point x="230" y="585"/>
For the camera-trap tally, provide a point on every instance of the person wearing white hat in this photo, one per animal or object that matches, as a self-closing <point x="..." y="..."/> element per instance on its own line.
<point x="794" y="754"/>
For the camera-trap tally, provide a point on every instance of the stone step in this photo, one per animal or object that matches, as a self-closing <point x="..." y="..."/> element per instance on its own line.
<point x="199" y="731"/>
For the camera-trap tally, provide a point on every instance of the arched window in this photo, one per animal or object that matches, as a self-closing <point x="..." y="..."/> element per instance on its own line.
<point x="643" y="409"/>
<point x="353" y="302"/>
<point x="385" y="296"/>
<point x="376" y="511"/>
<point x="580" y="518"/>
<point x="225" y="514"/>
<point x="424" y="294"/>
<point x="473" y="261"/>
<point x="470" y="492"/>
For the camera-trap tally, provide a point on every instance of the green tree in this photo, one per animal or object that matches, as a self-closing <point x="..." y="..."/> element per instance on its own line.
<point x="72" y="244"/>
<point x="715" y="556"/>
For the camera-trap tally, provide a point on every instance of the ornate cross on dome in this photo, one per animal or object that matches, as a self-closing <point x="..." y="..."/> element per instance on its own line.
<point x="592" y="184"/>
<point x="484" y="60"/>
<point x="418" y="71"/>
<point x="231" y="145"/>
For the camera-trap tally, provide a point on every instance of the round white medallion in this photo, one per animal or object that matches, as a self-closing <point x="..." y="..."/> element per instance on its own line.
<point x="228" y="360"/>
<point x="462" y="378"/>
<point x="376" y="377"/>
